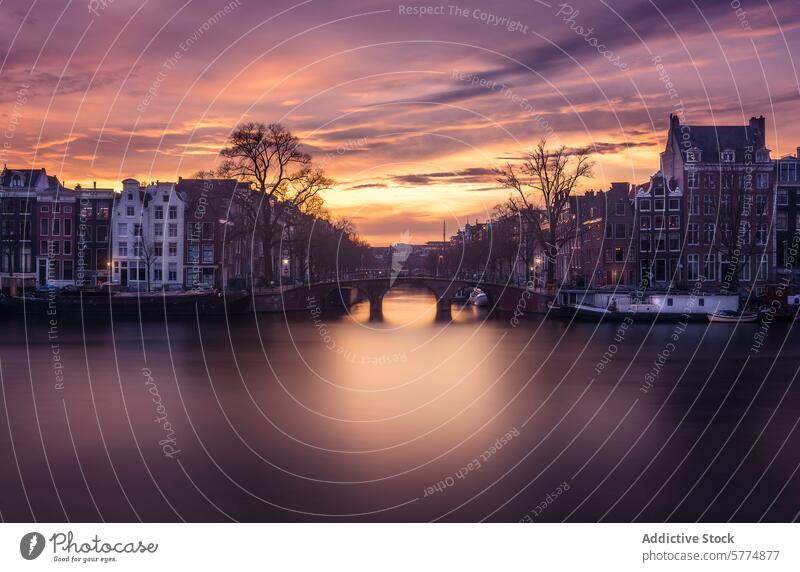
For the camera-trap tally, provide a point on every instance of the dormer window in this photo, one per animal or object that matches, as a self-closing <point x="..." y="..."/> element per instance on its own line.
<point x="728" y="156"/>
<point x="16" y="181"/>
<point x="762" y="156"/>
<point x="692" y="156"/>
<point x="130" y="196"/>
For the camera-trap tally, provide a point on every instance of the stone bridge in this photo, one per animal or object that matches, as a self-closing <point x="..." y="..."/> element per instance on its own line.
<point x="324" y="295"/>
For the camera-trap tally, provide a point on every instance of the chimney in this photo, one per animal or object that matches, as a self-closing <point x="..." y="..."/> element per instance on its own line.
<point x="758" y="126"/>
<point x="798" y="153"/>
<point x="621" y="187"/>
<point x="674" y="120"/>
<point x="94" y="184"/>
<point x="180" y="179"/>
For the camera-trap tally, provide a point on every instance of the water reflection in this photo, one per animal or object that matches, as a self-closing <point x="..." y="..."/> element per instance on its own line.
<point x="302" y="417"/>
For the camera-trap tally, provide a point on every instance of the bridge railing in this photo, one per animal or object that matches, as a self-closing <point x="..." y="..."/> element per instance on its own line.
<point x="376" y="274"/>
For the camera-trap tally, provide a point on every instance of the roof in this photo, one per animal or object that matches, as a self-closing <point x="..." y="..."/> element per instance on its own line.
<point x="711" y="140"/>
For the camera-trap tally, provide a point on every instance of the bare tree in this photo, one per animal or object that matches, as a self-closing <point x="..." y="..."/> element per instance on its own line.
<point x="738" y="219"/>
<point x="148" y="257"/>
<point x="270" y="159"/>
<point x="542" y="185"/>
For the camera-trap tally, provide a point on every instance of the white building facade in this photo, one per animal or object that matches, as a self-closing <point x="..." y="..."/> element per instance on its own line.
<point x="148" y="231"/>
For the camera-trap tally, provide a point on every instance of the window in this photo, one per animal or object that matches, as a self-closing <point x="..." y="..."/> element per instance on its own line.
<point x="44" y="226"/>
<point x="122" y="248"/>
<point x="691" y="179"/>
<point x="761" y="234"/>
<point x="619" y="254"/>
<point x="645" y="243"/>
<point x="67" y="275"/>
<point x="619" y="231"/>
<point x="660" y="246"/>
<point x="763" y="268"/>
<point x="728" y="156"/>
<point x="674" y="242"/>
<point x="172" y="230"/>
<point x="709" y="205"/>
<point x="710" y="182"/>
<point x="674" y="222"/>
<point x="710" y="268"/>
<point x="620" y="208"/>
<point x="762" y="180"/>
<point x="692" y="156"/>
<point x="130" y="196"/>
<point x="158" y="273"/>
<point x="208" y="229"/>
<point x="208" y="254"/>
<point x="158" y="250"/>
<point x="782" y="221"/>
<point x="658" y="204"/>
<point x="761" y="205"/>
<point x="67" y="209"/>
<point x="122" y="229"/>
<point x="709" y="229"/>
<point x="727" y="180"/>
<point x="782" y="197"/>
<point x="797" y="221"/>
<point x="644" y="204"/>
<point x="745" y="271"/>
<point x="670" y="302"/>
<point x="674" y="204"/>
<point x="193" y="253"/>
<point x="659" y="222"/>
<point x="56" y="247"/>
<point x="744" y="232"/>
<point x="661" y="270"/>
<point x="173" y="212"/>
<point x="644" y="223"/>
<point x="165" y="198"/>
<point x="103" y="211"/>
<point x="137" y="229"/>
<point x="172" y="249"/>
<point x="16" y="181"/>
<point x="129" y="211"/>
<point x="159" y="229"/>
<point x="43" y="247"/>
<point x="701" y="301"/>
<point x="159" y="213"/>
<point x="193" y="231"/>
<point x="67" y="227"/>
<point x="67" y="247"/>
<point x="172" y="272"/>
<point x="692" y="266"/>
<point x="44" y="209"/>
<point x="56" y="227"/>
<point x="694" y="205"/>
<point x="138" y="250"/>
<point x="693" y="233"/>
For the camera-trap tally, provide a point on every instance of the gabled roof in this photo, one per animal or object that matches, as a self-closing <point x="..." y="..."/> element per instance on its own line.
<point x="712" y="140"/>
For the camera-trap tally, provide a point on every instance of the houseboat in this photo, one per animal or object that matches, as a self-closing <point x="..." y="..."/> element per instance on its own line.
<point x="610" y="304"/>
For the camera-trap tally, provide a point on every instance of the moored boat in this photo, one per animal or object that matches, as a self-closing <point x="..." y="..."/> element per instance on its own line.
<point x="478" y="298"/>
<point x="732" y="317"/>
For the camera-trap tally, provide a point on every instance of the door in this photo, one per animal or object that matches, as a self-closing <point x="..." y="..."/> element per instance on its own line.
<point x="123" y="276"/>
<point x="42" y="271"/>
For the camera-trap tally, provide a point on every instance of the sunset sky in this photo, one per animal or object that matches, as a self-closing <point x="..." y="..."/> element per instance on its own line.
<point x="409" y="113"/>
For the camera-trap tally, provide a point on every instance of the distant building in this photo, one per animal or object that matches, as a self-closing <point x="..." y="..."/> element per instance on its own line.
<point x="18" y="191"/>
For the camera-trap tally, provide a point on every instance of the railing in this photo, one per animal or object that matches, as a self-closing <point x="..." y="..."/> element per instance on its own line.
<point x="475" y="278"/>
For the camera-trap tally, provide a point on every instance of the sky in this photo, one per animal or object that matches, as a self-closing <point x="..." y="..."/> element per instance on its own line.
<point x="409" y="107"/>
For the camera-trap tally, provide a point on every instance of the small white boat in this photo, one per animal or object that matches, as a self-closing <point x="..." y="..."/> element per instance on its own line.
<point x="732" y="317"/>
<point x="478" y="298"/>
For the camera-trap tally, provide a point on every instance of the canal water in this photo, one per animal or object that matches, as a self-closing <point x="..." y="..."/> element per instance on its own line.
<point x="314" y="417"/>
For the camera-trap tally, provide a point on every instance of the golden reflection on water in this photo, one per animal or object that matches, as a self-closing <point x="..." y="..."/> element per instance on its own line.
<point x="405" y="378"/>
